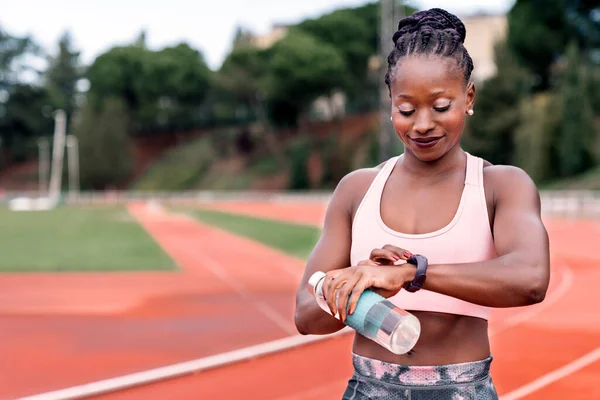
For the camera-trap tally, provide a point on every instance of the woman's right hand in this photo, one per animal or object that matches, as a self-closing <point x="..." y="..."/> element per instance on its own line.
<point x="342" y="288"/>
<point x="389" y="255"/>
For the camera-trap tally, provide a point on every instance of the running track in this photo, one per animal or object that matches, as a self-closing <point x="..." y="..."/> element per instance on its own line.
<point x="61" y="330"/>
<point x="549" y="351"/>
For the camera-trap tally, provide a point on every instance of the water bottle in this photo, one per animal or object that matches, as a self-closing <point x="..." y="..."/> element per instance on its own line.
<point x="375" y="318"/>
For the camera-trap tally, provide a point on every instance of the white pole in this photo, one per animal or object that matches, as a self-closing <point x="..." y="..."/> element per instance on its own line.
<point x="73" y="159"/>
<point x="58" y="151"/>
<point x="43" y="165"/>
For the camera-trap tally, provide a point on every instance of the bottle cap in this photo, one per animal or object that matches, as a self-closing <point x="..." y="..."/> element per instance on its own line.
<point x="314" y="280"/>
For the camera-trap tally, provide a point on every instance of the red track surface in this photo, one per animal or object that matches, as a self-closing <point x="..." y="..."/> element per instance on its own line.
<point x="527" y="343"/>
<point x="60" y="330"/>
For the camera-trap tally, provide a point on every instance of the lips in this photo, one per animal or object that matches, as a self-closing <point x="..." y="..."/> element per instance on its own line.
<point x="425" y="143"/>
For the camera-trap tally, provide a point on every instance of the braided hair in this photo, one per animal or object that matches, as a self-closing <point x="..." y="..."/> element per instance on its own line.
<point x="427" y="33"/>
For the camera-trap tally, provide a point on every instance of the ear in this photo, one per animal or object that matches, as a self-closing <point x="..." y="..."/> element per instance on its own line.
<point x="470" y="96"/>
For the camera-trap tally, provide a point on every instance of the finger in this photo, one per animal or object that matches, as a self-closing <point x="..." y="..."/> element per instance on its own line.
<point x="344" y="294"/>
<point x="384" y="256"/>
<point x="331" y="275"/>
<point x="358" y="289"/>
<point x="325" y="286"/>
<point x="334" y="285"/>
<point x="402" y="253"/>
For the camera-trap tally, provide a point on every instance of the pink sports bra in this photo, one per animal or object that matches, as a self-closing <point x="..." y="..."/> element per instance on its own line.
<point x="467" y="238"/>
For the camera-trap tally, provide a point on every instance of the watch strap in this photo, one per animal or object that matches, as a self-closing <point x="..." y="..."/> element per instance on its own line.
<point x="417" y="283"/>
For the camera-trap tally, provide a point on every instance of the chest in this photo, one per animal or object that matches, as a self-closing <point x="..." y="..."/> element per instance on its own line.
<point x="447" y="221"/>
<point x="420" y="208"/>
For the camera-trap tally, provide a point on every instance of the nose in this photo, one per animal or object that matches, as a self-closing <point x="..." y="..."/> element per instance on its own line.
<point x="423" y="122"/>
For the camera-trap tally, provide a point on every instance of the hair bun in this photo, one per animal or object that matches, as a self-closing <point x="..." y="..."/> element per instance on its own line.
<point x="430" y="20"/>
<point x="453" y="22"/>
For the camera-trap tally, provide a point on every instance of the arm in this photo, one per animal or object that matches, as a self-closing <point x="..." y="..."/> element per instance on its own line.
<point x="519" y="276"/>
<point x="332" y="252"/>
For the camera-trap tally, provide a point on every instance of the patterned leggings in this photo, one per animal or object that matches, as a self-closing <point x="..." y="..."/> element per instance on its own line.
<point x="378" y="380"/>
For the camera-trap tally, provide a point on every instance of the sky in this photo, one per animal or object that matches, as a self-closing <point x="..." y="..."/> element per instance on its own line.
<point x="207" y="25"/>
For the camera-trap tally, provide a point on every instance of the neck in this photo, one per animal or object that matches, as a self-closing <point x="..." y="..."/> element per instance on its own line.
<point x="441" y="167"/>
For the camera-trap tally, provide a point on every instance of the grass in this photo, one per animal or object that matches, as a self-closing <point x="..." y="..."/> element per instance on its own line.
<point x="77" y="239"/>
<point x="179" y="168"/>
<point x="293" y="239"/>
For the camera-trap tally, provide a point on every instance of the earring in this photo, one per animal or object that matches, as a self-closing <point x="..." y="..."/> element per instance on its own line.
<point x="391" y="118"/>
<point x="470" y="112"/>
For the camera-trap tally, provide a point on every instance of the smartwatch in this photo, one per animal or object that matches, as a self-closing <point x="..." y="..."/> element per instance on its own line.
<point x="421" y="263"/>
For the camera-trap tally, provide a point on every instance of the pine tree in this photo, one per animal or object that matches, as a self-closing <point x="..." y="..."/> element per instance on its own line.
<point x="105" y="147"/>
<point x="63" y="74"/>
<point x="577" y="137"/>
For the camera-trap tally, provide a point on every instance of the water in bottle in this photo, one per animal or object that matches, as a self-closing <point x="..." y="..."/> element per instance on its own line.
<point x="376" y="318"/>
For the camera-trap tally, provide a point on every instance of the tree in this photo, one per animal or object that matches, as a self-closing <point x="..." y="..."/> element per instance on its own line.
<point x="119" y="73"/>
<point x="105" y="147"/>
<point x="303" y="68"/>
<point x="141" y="39"/>
<point x="536" y="136"/>
<point x="175" y="82"/>
<point x="62" y="76"/>
<point x="13" y="51"/>
<point x="242" y="38"/>
<point x="584" y="17"/>
<point x="24" y="117"/>
<point x="349" y="35"/>
<point x="21" y="104"/>
<point x="539" y="31"/>
<point x="490" y="132"/>
<point x="244" y="76"/>
<point x="576" y="142"/>
<point x="161" y="89"/>
<point x="353" y="32"/>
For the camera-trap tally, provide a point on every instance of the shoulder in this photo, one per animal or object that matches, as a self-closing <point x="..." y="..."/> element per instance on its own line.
<point x="507" y="183"/>
<point x="352" y="188"/>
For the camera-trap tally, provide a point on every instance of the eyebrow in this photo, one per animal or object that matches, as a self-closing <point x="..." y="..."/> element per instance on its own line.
<point x="433" y="94"/>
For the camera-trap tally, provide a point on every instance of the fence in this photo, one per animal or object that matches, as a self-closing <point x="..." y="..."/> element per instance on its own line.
<point x="559" y="203"/>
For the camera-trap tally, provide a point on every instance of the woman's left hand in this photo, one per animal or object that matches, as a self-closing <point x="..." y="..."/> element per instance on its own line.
<point x="342" y="288"/>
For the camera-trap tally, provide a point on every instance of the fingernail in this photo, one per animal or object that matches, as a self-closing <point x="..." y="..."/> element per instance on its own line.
<point x="395" y="257"/>
<point x="407" y="254"/>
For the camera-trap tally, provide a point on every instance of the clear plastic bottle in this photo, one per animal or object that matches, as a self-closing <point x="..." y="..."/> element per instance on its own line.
<point x="376" y="318"/>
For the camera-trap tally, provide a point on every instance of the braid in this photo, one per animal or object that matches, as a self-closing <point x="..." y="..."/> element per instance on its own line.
<point x="432" y="32"/>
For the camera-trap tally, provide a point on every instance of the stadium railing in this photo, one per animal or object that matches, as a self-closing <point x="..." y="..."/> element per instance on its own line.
<point x="559" y="203"/>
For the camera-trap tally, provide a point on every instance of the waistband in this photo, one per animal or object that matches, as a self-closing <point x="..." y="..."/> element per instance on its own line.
<point x="437" y="375"/>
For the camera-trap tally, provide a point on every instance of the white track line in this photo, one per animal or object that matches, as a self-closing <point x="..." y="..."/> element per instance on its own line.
<point x="260" y="305"/>
<point x="210" y="264"/>
<point x="296" y="274"/>
<point x="218" y="360"/>
<point x="554" y="376"/>
<point x="565" y="284"/>
<point x="185" y="368"/>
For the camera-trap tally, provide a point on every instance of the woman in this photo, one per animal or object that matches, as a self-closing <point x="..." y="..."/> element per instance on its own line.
<point x="477" y="225"/>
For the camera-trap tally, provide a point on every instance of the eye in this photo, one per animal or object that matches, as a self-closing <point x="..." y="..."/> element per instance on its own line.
<point x="443" y="108"/>
<point x="406" y="113"/>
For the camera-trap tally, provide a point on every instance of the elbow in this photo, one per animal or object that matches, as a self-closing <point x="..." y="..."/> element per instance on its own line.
<point x="535" y="292"/>
<point x="535" y="295"/>
<point x="301" y="324"/>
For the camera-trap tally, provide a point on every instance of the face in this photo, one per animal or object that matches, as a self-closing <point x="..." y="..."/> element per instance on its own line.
<point x="429" y="105"/>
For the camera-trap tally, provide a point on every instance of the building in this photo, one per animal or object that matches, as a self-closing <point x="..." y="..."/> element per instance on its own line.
<point x="483" y="32"/>
<point x="267" y="40"/>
